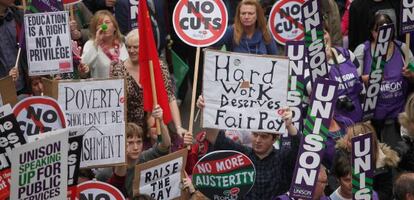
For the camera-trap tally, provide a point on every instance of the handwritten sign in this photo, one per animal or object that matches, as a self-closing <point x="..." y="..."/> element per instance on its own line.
<point x="98" y="106"/>
<point x="158" y="178"/>
<point x="240" y="95"/>
<point x="224" y="174"/>
<point x="48" y="43"/>
<point x="40" y="169"/>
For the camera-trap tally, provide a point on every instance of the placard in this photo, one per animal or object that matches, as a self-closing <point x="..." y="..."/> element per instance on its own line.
<point x="315" y="131"/>
<point x="7" y="91"/>
<point x="295" y="50"/>
<point x="10" y="137"/>
<point x="40" y="169"/>
<point x="224" y="174"/>
<point x="200" y="23"/>
<point x="244" y="91"/>
<point x="48" y="43"/>
<point x="385" y="35"/>
<point x="38" y="115"/>
<point x="98" y="106"/>
<point x="407" y="16"/>
<point x="314" y="41"/>
<point x="98" y="190"/>
<point x="285" y="21"/>
<point x="158" y="178"/>
<point x="362" y="167"/>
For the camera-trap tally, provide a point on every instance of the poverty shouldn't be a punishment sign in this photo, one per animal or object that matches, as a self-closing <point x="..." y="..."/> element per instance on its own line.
<point x="98" y="107"/>
<point x="40" y="169"/>
<point x="244" y="91"/>
<point x="48" y="43"/>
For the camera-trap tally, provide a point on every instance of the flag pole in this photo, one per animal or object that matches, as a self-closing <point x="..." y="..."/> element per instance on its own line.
<point x="407" y="48"/>
<point x="190" y="126"/>
<point x="154" y="97"/>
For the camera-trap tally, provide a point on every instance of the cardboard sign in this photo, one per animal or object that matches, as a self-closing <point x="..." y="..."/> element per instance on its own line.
<point x="285" y="21"/>
<point x="10" y="138"/>
<point x="295" y="50"/>
<point x="239" y="95"/>
<point x="363" y="167"/>
<point x="48" y="43"/>
<point x="315" y="130"/>
<point x="7" y="91"/>
<point x="200" y="23"/>
<point x="97" y="190"/>
<point x="224" y="174"/>
<point x="314" y="42"/>
<point x="158" y="178"/>
<point x="385" y="35"/>
<point x="38" y="115"/>
<point x="407" y="16"/>
<point x="40" y="169"/>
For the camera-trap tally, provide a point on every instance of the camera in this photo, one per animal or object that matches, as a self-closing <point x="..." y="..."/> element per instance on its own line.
<point x="345" y="103"/>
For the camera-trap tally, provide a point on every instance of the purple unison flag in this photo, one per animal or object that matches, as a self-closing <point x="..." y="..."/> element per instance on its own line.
<point x="295" y="50"/>
<point x="407" y="16"/>
<point x="314" y="42"/>
<point x="385" y="35"/>
<point x="362" y="167"/>
<point x="315" y="130"/>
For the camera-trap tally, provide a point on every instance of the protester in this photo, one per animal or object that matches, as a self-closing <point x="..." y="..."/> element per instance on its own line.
<point x="270" y="181"/>
<point x="319" y="193"/>
<point x="79" y="23"/>
<point x="342" y="170"/>
<point x="131" y="70"/>
<point x="200" y="148"/>
<point x="195" y="194"/>
<point x="36" y="84"/>
<point x="105" y="46"/>
<point x="394" y="83"/>
<point x="123" y="176"/>
<point x="249" y="33"/>
<point x="361" y="14"/>
<point x="405" y="147"/>
<point x="11" y="23"/>
<point x="384" y="158"/>
<point x="343" y="68"/>
<point x="404" y="187"/>
<point x="331" y="16"/>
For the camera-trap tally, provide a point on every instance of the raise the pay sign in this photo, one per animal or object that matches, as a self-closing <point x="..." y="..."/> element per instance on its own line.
<point x="200" y="23"/>
<point x="48" y="43"/>
<point x="244" y="91"/>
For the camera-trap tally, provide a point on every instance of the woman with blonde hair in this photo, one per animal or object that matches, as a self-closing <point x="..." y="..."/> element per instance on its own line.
<point x="249" y="33"/>
<point x="406" y="147"/>
<point x="383" y="157"/>
<point x="105" y="45"/>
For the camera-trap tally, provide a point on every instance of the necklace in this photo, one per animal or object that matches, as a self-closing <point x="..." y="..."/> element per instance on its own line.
<point x="248" y="48"/>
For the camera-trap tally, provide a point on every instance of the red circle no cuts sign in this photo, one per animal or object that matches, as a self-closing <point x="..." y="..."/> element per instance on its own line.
<point x="285" y="21"/>
<point x="200" y="23"/>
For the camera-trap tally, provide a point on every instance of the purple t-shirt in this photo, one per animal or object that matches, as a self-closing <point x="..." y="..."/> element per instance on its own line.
<point x="350" y="85"/>
<point x="394" y="86"/>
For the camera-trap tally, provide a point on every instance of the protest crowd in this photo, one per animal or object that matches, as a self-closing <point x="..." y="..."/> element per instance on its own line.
<point x="301" y="99"/>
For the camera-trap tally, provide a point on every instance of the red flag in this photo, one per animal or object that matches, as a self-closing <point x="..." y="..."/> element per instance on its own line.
<point x="147" y="52"/>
